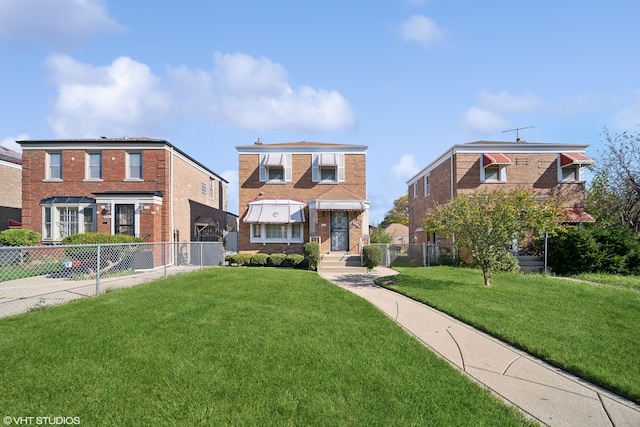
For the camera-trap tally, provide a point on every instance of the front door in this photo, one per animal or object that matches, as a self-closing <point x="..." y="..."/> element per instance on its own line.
<point x="125" y="220"/>
<point x="339" y="231"/>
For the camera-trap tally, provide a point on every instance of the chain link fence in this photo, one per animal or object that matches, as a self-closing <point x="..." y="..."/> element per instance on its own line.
<point x="35" y="277"/>
<point x="417" y="254"/>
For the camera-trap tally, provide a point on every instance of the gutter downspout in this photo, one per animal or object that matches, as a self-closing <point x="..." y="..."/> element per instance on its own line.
<point x="171" y="201"/>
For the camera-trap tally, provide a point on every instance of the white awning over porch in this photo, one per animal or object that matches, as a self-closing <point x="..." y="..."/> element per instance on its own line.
<point x="338" y="205"/>
<point x="275" y="211"/>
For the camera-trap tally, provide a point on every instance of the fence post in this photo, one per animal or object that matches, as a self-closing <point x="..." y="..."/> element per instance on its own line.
<point x="201" y="254"/>
<point x="164" y="258"/>
<point x="425" y="255"/>
<point x="98" y="271"/>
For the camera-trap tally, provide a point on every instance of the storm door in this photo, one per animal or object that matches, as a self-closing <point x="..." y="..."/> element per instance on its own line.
<point x="125" y="220"/>
<point x="339" y="231"/>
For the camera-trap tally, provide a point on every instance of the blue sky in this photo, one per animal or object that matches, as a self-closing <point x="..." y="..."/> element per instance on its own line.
<point x="407" y="78"/>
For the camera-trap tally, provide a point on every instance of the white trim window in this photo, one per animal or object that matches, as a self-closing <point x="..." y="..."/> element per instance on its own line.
<point x="493" y="167"/>
<point x="277" y="233"/>
<point x="60" y="221"/>
<point x="212" y="189"/>
<point x="427" y="185"/>
<point x="415" y="189"/>
<point x="134" y="165"/>
<point x="327" y="167"/>
<point x="94" y="165"/>
<point x="275" y="168"/>
<point x="54" y="166"/>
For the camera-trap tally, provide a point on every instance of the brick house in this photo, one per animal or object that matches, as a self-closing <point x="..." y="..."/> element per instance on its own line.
<point x="11" y="178"/>
<point x="292" y="193"/>
<point x="546" y="169"/>
<point x="138" y="186"/>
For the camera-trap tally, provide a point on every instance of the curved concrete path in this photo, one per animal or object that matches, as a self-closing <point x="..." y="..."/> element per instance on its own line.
<point x="544" y="393"/>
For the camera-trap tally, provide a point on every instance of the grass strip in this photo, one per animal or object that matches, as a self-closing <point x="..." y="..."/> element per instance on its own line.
<point x="586" y="328"/>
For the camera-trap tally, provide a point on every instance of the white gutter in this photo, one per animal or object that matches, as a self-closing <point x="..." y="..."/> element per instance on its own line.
<point x="171" y="236"/>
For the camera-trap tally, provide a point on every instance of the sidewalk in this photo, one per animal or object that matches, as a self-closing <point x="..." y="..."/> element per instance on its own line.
<point x="544" y="393"/>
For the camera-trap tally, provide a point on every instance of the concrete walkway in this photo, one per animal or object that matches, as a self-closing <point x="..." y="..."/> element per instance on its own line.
<point x="544" y="393"/>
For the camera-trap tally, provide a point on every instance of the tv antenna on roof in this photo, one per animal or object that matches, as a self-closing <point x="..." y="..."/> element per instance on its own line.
<point x="517" y="131"/>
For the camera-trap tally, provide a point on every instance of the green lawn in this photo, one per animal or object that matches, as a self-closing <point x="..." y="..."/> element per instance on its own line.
<point x="590" y="329"/>
<point x="232" y="346"/>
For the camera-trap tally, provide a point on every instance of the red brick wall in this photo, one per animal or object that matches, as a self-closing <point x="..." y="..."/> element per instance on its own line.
<point x="535" y="172"/>
<point x="155" y="178"/>
<point x="301" y="187"/>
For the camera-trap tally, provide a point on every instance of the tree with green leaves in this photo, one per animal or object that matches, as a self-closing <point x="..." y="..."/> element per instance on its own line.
<point x="613" y="196"/>
<point x="485" y="224"/>
<point x="398" y="214"/>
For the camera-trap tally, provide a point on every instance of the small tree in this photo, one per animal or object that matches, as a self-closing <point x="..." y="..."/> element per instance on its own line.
<point x="380" y="235"/>
<point x="484" y="224"/>
<point x="399" y="213"/>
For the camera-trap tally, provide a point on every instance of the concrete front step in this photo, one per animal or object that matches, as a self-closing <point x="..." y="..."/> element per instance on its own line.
<point x="347" y="263"/>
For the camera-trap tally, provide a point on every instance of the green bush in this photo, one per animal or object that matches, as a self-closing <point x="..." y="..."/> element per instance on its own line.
<point x="372" y="256"/>
<point x="294" y="260"/>
<point x="276" y="260"/>
<point x="595" y="249"/>
<point x="99" y="238"/>
<point x="240" y="259"/>
<point x="258" y="260"/>
<point x="19" y="237"/>
<point x="312" y="253"/>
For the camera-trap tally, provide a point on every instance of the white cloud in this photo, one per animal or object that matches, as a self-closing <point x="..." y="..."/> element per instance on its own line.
<point x="121" y="99"/>
<point x="253" y="93"/>
<point x="10" y="142"/>
<point x="492" y="112"/>
<point x="406" y="167"/>
<point x="484" y="121"/>
<point x="57" y="22"/>
<point x="424" y="31"/>
<point x="125" y="98"/>
<point x="630" y="116"/>
<point x="503" y="102"/>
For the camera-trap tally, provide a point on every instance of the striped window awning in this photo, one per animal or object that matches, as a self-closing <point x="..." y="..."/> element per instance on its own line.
<point x="275" y="211"/>
<point x="327" y="160"/>
<point x="273" y="160"/>
<point x="489" y="159"/>
<point x="577" y="215"/>
<point x="340" y="205"/>
<point x="569" y="159"/>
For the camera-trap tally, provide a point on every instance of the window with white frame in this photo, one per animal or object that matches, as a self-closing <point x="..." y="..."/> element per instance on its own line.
<point x="493" y="167"/>
<point x="94" y="165"/>
<point x="275" y="168"/>
<point x="427" y="185"/>
<point x="212" y="192"/>
<point x="60" y="221"/>
<point x="327" y="167"/>
<point x="134" y="165"/>
<point x="277" y="233"/>
<point x="415" y="189"/>
<point x="54" y="165"/>
<point x="203" y="188"/>
<point x="571" y="173"/>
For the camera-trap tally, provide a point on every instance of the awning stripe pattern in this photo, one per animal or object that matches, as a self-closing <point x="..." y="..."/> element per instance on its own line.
<point x="327" y="159"/>
<point x="275" y="211"/>
<point x="577" y="215"/>
<point x="568" y="159"/>
<point x="274" y="160"/>
<point x="340" y="205"/>
<point x="489" y="159"/>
